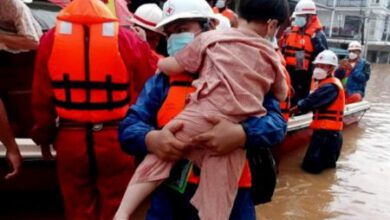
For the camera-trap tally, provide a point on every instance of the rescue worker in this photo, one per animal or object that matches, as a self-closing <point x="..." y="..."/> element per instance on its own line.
<point x="354" y="72"/>
<point x="327" y="103"/>
<point x="12" y="154"/>
<point x="160" y="101"/>
<point x="302" y="45"/>
<point x="146" y="17"/>
<point x="221" y="8"/>
<point x="88" y="71"/>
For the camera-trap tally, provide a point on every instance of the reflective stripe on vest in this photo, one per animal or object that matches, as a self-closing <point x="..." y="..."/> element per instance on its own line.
<point x="330" y="118"/>
<point x="297" y="41"/>
<point x="89" y="78"/>
<point x="180" y="88"/>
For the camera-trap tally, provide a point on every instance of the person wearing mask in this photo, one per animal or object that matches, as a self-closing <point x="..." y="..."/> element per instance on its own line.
<point x="146" y="17"/>
<point x="354" y="72"/>
<point x="327" y="103"/>
<point x="88" y="71"/>
<point x="301" y="46"/>
<point x="238" y="94"/>
<point x="163" y="98"/>
<point x="12" y="154"/>
<point x="221" y="7"/>
<point x="19" y="31"/>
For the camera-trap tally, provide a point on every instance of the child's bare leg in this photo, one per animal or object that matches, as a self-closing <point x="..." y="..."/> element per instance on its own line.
<point x="134" y="195"/>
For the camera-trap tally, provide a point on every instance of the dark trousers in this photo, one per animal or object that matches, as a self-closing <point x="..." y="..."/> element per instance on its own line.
<point x="168" y="204"/>
<point x="323" y="151"/>
<point x="300" y="81"/>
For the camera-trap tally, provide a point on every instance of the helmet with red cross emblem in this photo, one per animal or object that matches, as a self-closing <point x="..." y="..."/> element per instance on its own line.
<point x="174" y="10"/>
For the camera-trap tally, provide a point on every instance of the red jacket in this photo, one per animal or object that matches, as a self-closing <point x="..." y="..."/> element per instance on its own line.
<point x="136" y="56"/>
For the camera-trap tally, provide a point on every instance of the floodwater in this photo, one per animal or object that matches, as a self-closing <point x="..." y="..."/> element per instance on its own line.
<point x="359" y="188"/>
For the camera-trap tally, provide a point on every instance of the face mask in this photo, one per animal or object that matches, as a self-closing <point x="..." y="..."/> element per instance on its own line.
<point x="300" y="21"/>
<point x="352" y="55"/>
<point x="274" y="42"/>
<point x="319" y="73"/>
<point x="176" y="42"/>
<point x="220" y="4"/>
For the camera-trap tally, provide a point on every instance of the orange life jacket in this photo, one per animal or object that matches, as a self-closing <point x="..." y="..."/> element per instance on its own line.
<point x="286" y="104"/>
<point x="89" y="77"/>
<point x="180" y="88"/>
<point x="301" y="41"/>
<point x="330" y="118"/>
<point x="229" y="14"/>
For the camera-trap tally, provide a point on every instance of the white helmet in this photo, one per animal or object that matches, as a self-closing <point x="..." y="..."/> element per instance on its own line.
<point x="355" y="45"/>
<point x="224" y="22"/>
<point x="293" y="16"/>
<point x="327" y="57"/>
<point x="174" y="10"/>
<point x="305" y="7"/>
<point x="147" y="16"/>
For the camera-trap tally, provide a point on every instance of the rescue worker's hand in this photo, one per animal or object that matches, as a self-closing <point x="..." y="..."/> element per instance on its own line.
<point x="14" y="160"/>
<point x="139" y="32"/>
<point x="46" y="152"/>
<point x="294" y="110"/>
<point x="345" y="64"/>
<point x="164" y="144"/>
<point x="223" y="138"/>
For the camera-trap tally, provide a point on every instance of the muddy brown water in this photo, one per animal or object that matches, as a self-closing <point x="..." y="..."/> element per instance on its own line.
<point x="359" y="188"/>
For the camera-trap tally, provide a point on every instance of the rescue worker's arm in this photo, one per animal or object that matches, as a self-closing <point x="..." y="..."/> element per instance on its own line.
<point x="17" y="42"/>
<point x="170" y="66"/>
<point x="138" y="133"/>
<point x="363" y="76"/>
<point x="7" y="138"/>
<point x="43" y="132"/>
<point x="320" y="98"/>
<point x="319" y="43"/>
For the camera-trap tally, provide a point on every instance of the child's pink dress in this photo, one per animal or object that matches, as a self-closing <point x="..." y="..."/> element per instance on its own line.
<point x="237" y="68"/>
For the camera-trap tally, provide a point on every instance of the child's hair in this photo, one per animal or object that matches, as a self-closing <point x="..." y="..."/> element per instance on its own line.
<point x="263" y="10"/>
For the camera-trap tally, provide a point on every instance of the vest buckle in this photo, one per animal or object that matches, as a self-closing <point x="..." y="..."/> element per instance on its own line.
<point x="97" y="127"/>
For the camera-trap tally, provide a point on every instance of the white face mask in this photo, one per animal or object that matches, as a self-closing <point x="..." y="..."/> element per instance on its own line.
<point x="319" y="73"/>
<point x="300" y="21"/>
<point x="352" y="56"/>
<point x="220" y="4"/>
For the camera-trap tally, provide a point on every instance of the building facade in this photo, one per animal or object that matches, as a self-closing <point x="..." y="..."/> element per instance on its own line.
<point x="367" y="21"/>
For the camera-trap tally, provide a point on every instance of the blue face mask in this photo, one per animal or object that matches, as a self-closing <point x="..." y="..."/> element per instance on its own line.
<point x="300" y="21"/>
<point x="176" y="42"/>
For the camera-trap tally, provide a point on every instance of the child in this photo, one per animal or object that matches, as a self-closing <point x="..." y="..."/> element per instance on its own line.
<point x="237" y="68"/>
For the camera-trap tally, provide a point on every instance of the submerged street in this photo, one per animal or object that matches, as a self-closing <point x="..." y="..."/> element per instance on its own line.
<point x="359" y="187"/>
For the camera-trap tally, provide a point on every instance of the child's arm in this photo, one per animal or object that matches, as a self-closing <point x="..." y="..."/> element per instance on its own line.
<point x="169" y="66"/>
<point x="280" y="90"/>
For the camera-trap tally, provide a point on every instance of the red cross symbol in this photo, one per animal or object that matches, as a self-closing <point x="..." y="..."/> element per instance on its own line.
<point x="170" y="10"/>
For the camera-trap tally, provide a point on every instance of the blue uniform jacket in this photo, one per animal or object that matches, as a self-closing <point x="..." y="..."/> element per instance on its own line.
<point x="358" y="78"/>
<point x="319" y="43"/>
<point x="262" y="132"/>
<point x="320" y="98"/>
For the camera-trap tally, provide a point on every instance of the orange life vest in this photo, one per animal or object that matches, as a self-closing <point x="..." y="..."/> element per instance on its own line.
<point x="300" y="41"/>
<point x="229" y="14"/>
<point x="89" y="77"/>
<point x="180" y="88"/>
<point x="330" y="118"/>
